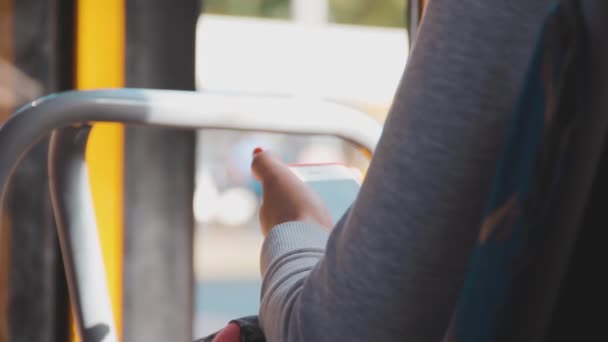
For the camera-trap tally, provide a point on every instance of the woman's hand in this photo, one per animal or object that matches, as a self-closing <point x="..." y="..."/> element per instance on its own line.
<point x="286" y="198"/>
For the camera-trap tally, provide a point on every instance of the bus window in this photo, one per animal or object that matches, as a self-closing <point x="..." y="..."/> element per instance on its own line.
<point x="352" y="52"/>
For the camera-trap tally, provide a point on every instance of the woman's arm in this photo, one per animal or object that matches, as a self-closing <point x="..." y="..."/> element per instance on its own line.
<point x="393" y="267"/>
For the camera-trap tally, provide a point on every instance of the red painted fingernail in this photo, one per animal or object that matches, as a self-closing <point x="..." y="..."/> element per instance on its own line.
<point x="257" y="150"/>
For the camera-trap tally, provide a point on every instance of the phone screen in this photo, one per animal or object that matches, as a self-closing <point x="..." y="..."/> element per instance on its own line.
<point x="336" y="194"/>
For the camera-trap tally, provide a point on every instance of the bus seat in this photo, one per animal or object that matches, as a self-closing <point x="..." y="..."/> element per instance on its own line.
<point x="542" y="187"/>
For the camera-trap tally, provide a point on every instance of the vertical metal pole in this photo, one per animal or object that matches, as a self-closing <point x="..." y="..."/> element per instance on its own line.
<point x="415" y="11"/>
<point x="159" y="178"/>
<point x="100" y="35"/>
<point x="77" y="230"/>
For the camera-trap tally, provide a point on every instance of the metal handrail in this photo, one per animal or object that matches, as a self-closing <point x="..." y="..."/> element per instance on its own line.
<point x="69" y="115"/>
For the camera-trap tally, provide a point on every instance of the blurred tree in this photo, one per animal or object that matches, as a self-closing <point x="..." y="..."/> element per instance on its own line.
<point x="389" y="13"/>
<point x="250" y="8"/>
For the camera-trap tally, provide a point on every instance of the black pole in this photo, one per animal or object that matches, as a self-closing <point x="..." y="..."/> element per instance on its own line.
<point x="413" y="15"/>
<point x="159" y="178"/>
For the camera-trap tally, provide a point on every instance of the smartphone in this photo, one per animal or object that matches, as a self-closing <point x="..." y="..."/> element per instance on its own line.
<point x="336" y="184"/>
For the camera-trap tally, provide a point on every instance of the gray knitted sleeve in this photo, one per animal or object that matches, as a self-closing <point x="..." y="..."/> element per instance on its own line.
<point x="393" y="267"/>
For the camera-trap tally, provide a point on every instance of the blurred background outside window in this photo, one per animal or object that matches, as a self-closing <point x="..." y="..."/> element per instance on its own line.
<point x="348" y="51"/>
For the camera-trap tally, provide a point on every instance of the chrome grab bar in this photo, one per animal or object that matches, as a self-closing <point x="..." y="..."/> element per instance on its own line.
<point x="68" y="115"/>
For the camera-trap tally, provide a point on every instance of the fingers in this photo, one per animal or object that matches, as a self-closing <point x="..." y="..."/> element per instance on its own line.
<point x="265" y="165"/>
<point x="231" y="333"/>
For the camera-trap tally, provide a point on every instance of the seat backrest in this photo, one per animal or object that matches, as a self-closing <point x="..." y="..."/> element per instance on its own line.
<point x="541" y="189"/>
<point x="575" y="314"/>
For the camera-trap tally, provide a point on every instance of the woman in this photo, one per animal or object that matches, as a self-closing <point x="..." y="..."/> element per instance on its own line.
<point x="393" y="267"/>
